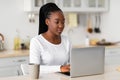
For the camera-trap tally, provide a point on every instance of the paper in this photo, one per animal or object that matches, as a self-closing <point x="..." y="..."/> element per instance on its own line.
<point x="72" y="20"/>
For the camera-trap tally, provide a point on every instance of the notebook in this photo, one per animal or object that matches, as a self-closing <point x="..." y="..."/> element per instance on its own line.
<point x="86" y="61"/>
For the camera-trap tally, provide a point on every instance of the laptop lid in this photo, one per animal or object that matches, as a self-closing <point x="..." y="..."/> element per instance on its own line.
<point x="87" y="61"/>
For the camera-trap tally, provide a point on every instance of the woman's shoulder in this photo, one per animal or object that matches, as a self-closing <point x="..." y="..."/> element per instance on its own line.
<point x="36" y="38"/>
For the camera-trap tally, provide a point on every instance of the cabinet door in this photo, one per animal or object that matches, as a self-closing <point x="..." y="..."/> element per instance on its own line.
<point x="47" y="1"/>
<point x="11" y="66"/>
<point x="20" y="60"/>
<point x="112" y="56"/>
<point x="70" y="5"/>
<point x="91" y="3"/>
<point x="37" y="3"/>
<point x="67" y="3"/>
<point x="32" y="6"/>
<point x="13" y="61"/>
<point x="9" y="71"/>
<point x="97" y="5"/>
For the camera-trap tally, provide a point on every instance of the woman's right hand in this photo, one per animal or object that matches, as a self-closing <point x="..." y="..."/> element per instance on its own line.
<point x="65" y="68"/>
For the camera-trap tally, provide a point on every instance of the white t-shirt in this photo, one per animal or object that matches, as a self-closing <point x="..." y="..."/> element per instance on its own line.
<point x="50" y="55"/>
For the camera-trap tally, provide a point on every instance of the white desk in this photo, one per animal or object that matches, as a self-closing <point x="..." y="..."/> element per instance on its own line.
<point x="110" y="74"/>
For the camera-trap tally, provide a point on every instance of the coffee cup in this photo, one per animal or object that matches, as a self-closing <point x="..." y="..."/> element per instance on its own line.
<point x="34" y="71"/>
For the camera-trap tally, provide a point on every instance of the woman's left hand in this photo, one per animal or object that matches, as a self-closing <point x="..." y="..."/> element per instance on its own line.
<point x="65" y="68"/>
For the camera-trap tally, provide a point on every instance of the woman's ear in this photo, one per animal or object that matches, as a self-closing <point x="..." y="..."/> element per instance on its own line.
<point x="47" y="21"/>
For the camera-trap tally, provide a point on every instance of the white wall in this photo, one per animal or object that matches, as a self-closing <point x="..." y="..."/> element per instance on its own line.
<point x="111" y="22"/>
<point x="13" y="17"/>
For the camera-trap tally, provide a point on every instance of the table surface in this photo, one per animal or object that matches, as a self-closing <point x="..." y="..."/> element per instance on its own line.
<point x="111" y="73"/>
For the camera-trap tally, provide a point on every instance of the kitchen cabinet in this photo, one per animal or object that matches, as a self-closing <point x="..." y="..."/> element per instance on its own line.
<point x="33" y="6"/>
<point x="85" y="5"/>
<point x="69" y="5"/>
<point x="9" y="71"/>
<point x="112" y="56"/>
<point x="11" y="66"/>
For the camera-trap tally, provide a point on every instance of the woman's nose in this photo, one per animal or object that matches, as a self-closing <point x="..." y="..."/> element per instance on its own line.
<point x="61" y="25"/>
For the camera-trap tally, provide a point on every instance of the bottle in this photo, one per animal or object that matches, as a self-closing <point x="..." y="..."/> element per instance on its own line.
<point x="17" y="41"/>
<point x="27" y="42"/>
<point x="87" y="41"/>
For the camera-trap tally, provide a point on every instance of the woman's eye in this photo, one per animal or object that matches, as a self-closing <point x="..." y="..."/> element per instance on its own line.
<point x="63" y="22"/>
<point x="57" y="22"/>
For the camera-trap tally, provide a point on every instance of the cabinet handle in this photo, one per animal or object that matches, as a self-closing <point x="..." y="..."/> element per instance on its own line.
<point x="21" y="60"/>
<point x="18" y="72"/>
<point x="112" y="52"/>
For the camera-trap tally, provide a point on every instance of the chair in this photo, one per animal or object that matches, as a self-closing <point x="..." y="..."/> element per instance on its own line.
<point x="25" y="69"/>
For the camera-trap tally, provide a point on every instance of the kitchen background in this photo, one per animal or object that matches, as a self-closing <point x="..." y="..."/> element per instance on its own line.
<point x="13" y="18"/>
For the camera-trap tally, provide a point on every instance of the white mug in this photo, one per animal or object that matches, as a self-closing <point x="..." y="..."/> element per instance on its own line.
<point x="34" y="71"/>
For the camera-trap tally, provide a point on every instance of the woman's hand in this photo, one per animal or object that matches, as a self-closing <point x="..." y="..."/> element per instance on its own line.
<point x="65" y="68"/>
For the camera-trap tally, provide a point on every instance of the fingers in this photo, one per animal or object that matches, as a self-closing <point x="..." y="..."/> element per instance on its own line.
<point x="65" y="68"/>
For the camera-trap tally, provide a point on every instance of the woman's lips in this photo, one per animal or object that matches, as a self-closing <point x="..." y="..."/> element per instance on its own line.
<point x="60" y="30"/>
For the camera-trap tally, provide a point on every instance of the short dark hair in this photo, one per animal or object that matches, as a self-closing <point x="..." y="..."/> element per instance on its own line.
<point x="44" y="13"/>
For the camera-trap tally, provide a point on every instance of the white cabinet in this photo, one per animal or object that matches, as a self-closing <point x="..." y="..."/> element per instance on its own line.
<point x="9" y="71"/>
<point x="112" y="56"/>
<point x="84" y="5"/>
<point x="33" y="6"/>
<point x="11" y="66"/>
<point x="69" y="5"/>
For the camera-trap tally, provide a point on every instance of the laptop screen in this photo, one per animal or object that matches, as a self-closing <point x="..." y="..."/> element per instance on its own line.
<point x="87" y="61"/>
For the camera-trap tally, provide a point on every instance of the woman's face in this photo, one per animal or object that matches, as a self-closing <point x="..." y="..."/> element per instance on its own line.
<point x="56" y="23"/>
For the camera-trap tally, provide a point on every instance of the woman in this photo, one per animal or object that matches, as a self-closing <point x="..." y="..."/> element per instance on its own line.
<point x="50" y="48"/>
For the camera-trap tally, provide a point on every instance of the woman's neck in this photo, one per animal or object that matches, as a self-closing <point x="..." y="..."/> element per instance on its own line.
<point x="52" y="38"/>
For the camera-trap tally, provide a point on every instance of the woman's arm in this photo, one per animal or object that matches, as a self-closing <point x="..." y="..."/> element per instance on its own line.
<point x="56" y="68"/>
<point x="49" y="69"/>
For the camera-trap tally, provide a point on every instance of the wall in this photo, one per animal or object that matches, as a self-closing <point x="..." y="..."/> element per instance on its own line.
<point x="111" y="23"/>
<point x="12" y="17"/>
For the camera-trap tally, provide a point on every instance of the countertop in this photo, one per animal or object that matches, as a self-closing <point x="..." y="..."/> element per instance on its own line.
<point x="82" y="46"/>
<point x="13" y="53"/>
<point x="111" y="73"/>
<point x="17" y="53"/>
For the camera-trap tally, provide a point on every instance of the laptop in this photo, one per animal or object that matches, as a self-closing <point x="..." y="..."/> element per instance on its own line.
<point x="86" y="61"/>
